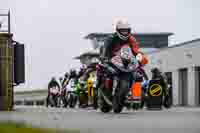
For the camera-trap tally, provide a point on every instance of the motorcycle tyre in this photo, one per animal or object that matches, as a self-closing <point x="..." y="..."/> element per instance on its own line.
<point x="136" y="106"/>
<point x="117" y="107"/>
<point x="52" y="101"/>
<point x="103" y="106"/>
<point x="83" y="99"/>
<point x="95" y="104"/>
<point x="119" y="96"/>
<point x="142" y="105"/>
<point x="72" y="102"/>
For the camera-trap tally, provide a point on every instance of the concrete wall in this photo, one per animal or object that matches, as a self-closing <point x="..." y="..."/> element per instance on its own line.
<point x="33" y="97"/>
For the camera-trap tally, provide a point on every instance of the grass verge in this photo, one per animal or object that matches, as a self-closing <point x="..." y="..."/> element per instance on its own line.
<point x="10" y="127"/>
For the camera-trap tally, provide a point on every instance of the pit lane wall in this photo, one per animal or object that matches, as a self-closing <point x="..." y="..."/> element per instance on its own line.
<point x="181" y="64"/>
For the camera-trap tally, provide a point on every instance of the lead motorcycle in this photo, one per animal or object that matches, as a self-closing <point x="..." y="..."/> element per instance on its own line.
<point x="116" y="77"/>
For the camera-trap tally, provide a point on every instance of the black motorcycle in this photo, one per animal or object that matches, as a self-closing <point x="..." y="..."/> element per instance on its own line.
<point x="116" y="77"/>
<point x="72" y="99"/>
<point x="71" y="94"/>
<point x="52" y="98"/>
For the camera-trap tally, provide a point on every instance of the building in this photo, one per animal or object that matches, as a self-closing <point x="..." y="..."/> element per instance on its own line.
<point x="87" y="57"/>
<point x="182" y="66"/>
<point x="148" y="41"/>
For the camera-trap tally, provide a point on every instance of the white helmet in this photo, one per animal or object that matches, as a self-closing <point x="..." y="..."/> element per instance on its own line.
<point x="123" y="29"/>
<point x="94" y="60"/>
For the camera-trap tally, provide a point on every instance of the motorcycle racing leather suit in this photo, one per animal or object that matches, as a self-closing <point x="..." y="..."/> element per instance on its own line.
<point x="114" y="44"/>
<point x="52" y="83"/>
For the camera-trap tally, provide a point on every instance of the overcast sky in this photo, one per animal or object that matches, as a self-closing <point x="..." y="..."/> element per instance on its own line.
<point x="53" y="30"/>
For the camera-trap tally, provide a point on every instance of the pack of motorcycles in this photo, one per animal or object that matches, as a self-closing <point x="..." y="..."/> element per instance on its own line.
<point x="120" y="87"/>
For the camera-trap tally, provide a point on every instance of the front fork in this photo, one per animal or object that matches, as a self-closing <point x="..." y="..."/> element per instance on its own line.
<point x="115" y="84"/>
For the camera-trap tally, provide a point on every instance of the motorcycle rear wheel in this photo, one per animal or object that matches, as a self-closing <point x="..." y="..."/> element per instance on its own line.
<point x="142" y="105"/>
<point x="136" y="106"/>
<point x="102" y="104"/>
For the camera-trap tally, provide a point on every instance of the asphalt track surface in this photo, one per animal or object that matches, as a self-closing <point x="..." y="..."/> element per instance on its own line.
<point x="174" y="120"/>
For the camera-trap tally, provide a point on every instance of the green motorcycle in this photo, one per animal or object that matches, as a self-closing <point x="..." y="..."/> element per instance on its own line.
<point x="82" y="94"/>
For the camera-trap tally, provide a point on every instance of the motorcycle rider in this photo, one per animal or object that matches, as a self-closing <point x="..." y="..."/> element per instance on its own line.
<point x="86" y="70"/>
<point x="82" y="71"/>
<point x="72" y="77"/>
<point x="66" y="77"/>
<point x="122" y="37"/>
<point x="158" y="75"/>
<point x="63" y="88"/>
<point x="81" y="86"/>
<point x="52" y="83"/>
<point x="71" y="88"/>
<point x="60" y="81"/>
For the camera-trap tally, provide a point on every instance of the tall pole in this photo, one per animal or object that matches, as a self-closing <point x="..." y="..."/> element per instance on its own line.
<point x="9" y="22"/>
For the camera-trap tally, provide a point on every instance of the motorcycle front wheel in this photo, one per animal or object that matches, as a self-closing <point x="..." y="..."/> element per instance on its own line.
<point x="52" y="100"/>
<point x="72" y="100"/>
<point x="120" y="95"/>
<point x="102" y="104"/>
<point x="117" y="107"/>
<point x="83" y="99"/>
<point x="95" y="101"/>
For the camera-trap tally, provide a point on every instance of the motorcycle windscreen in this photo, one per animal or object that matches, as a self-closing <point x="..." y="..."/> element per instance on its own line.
<point x="136" y="89"/>
<point x="54" y="90"/>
